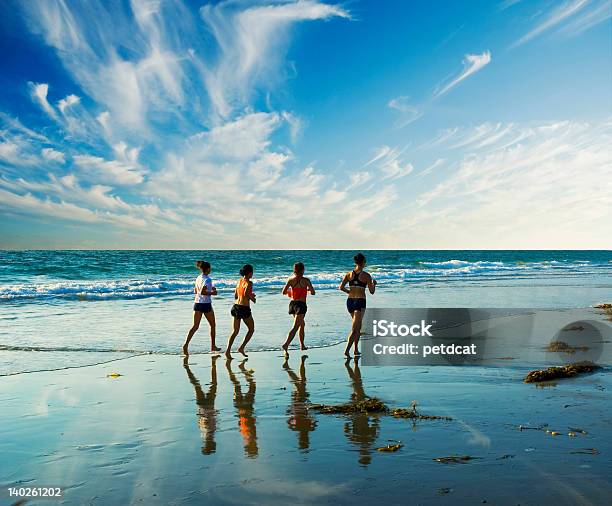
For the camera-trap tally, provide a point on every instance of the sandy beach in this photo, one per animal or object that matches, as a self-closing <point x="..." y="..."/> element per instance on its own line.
<point x="175" y="431"/>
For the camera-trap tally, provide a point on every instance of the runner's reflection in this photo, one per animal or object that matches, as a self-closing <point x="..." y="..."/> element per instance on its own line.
<point x="207" y="414"/>
<point x="244" y="404"/>
<point x="361" y="429"/>
<point x="299" y="418"/>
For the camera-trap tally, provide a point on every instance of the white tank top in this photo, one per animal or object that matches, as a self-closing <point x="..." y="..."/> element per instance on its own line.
<point x="201" y="281"/>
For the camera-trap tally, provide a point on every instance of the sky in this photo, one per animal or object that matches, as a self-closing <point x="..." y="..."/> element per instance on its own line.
<point x="168" y="124"/>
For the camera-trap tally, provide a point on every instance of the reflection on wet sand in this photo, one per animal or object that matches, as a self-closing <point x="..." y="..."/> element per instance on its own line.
<point x="299" y="418"/>
<point x="244" y="404"/>
<point x="361" y="429"/>
<point x="207" y="414"/>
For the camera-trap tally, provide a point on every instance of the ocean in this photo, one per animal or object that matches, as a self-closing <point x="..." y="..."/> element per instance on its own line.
<point x="61" y="309"/>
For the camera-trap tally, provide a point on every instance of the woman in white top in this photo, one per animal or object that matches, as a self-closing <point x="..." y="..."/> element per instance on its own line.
<point x="203" y="289"/>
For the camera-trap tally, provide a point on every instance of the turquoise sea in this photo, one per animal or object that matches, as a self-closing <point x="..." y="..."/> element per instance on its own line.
<point x="63" y="309"/>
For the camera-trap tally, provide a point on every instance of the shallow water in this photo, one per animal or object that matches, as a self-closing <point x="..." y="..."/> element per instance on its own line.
<point x="70" y="308"/>
<point x="175" y="432"/>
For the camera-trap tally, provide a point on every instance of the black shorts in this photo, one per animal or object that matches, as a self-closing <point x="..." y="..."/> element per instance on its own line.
<point x="202" y="307"/>
<point x="297" y="307"/>
<point x="242" y="312"/>
<point x="355" y="305"/>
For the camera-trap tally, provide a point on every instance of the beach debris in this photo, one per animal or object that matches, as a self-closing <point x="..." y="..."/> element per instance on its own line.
<point x="412" y="413"/>
<point x="569" y="328"/>
<point x="541" y="427"/>
<point x="506" y="456"/>
<point x="368" y="405"/>
<point x="376" y="406"/>
<point x="114" y="375"/>
<point x="390" y="447"/>
<point x="444" y="490"/>
<point x="603" y="306"/>
<point x="562" y="347"/>
<point x="586" y="451"/>
<point x="455" y="459"/>
<point x="573" y="431"/>
<point x="565" y="371"/>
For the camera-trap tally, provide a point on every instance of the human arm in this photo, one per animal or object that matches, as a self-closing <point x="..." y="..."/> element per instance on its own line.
<point x="208" y="288"/>
<point x="250" y="295"/>
<point x="310" y="288"/>
<point x="287" y="287"/>
<point x="345" y="280"/>
<point x="371" y="284"/>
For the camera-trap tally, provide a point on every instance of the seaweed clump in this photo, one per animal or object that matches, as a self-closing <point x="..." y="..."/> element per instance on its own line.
<point x="563" y="347"/>
<point x="368" y="405"/>
<point x="455" y="459"/>
<point x="390" y="447"/>
<point x="413" y="414"/>
<point x="376" y="406"/>
<point x="565" y="371"/>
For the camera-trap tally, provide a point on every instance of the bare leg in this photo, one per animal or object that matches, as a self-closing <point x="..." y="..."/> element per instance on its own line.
<point x="354" y="334"/>
<point x="197" y="317"/>
<point x="210" y="316"/>
<point x="357" y="320"/>
<point x="250" y="323"/>
<point x="230" y="341"/>
<point x="297" y="321"/>
<point x="302" y="334"/>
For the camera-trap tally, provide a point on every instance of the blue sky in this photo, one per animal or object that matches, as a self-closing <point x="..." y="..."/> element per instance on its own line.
<point x="306" y="124"/>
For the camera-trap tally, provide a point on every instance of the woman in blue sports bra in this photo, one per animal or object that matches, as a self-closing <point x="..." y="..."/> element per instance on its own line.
<point x="357" y="281"/>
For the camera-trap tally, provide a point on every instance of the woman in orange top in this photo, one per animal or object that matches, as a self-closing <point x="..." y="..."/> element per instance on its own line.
<point x="297" y="287"/>
<point x="241" y="310"/>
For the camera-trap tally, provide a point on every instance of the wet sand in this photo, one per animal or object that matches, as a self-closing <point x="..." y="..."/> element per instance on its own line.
<point x="174" y="431"/>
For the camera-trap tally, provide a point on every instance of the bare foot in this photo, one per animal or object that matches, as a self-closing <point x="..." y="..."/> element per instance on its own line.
<point x="185" y="350"/>
<point x="241" y="351"/>
<point x="228" y="354"/>
<point x="357" y="353"/>
<point x="303" y="347"/>
<point x="285" y="350"/>
<point x="215" y="349"/>
<point x="347" y="354"/>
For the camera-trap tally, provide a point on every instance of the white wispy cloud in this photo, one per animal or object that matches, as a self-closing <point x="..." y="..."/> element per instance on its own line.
<point x="408" y="113"/>
<point x="115" y="172"/>
<point x="39" y="93"/>
<point x="471" y="64"/>
<point x="552" y="19"/>
<point x="389" y="162"/>
<point x="507" y="4"/>
<point x="66" y="102"/>
<point x="429" y="169"/>
<point x="31" y="205"/>
<point x="251" y="44"/>
<point x="596" y="13"/>
<point x="359" y="178"/>
<point x="53" y="155"/>
<point x="91" y="40"/>
<point x="550" y="190"/>
<point x="178" y="85"/>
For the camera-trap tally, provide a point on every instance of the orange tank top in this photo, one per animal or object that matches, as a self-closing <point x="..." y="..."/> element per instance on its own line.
<point x="298" y="292"/>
